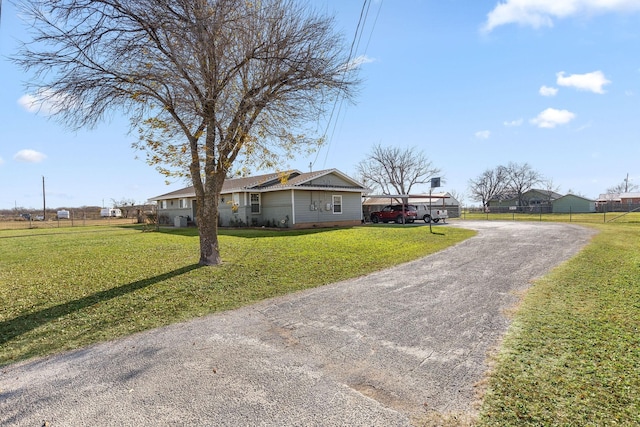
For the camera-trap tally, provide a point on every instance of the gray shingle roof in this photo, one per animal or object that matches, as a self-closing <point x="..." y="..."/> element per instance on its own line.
<point x="270" y="182"/>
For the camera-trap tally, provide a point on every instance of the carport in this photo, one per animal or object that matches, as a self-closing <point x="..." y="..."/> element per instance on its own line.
<point x="372" y="203"/>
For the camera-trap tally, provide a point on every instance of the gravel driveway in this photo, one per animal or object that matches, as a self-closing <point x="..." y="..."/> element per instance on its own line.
<point x="372" y="351"/>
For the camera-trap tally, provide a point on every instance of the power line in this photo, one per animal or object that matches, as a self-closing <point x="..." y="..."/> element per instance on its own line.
<point x="355" y="43"/>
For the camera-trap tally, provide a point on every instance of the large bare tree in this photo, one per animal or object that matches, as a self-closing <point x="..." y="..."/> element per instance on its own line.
<point x="520" y="178"/>
<point x="206" y="82"/>
<point x="489" y="185"/>
<point x="395" y="170"/>
<point x="503" y="182"/>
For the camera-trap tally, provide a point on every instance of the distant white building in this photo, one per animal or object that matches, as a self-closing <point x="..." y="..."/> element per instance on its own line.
<point x="110" y="212"/>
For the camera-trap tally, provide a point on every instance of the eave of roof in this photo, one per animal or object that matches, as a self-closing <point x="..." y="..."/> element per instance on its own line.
<point x="277" y="181"/>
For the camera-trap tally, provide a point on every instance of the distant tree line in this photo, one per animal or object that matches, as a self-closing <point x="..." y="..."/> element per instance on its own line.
<point x="507" y="182"/>
<point x="514" y="180"/>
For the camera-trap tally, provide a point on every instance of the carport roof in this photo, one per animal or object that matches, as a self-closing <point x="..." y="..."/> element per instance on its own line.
<point x="384" y="199"/>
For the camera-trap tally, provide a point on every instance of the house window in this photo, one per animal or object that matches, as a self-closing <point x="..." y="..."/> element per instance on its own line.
<point x="255" y="203"/>
<point x="163" y="204"/>
<point x="337" y="204"/>
<point x="184" y="203"/>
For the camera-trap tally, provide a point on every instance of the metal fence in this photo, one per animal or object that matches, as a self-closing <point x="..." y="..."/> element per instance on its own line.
<point x="73" y="221"/>
<point x="618" y="207"/>
<point x="505" y="214"/>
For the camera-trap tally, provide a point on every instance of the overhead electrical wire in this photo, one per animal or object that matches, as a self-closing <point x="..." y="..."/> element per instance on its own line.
<point x="355" y="44"/>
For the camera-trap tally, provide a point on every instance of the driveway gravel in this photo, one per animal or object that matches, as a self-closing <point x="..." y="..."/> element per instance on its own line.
<point x="378" y="350"/>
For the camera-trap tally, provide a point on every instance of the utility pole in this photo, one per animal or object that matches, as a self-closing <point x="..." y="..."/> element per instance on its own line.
<point x="626" y="183"/>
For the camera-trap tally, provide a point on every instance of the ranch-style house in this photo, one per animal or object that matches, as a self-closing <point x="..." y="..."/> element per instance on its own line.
<point x="291" y="199"/>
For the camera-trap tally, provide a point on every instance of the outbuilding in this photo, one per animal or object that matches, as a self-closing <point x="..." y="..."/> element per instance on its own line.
<point x="573" y="204"/>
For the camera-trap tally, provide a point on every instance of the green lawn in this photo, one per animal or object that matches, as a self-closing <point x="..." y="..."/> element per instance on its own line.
<point x="572" y="355"/>
<point x="65" y="288"/>
<point x="570" y="358"/>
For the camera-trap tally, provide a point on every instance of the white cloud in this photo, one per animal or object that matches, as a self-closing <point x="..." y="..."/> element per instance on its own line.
<point x="29" y="156"/>
<point x="358" y="61"/>
<point x="551" y="118"/>
<point x="29" y="103"/>
<point x="583" y="127"/>
<point x="1" y="161"/>
<point x="591" y="82"/>
<point x="548" y="91"/>
<point x="542" y="13"/>
<point x="513" y="123"/>
<point x="45" y="102"/>
<point x="483" y="134"/>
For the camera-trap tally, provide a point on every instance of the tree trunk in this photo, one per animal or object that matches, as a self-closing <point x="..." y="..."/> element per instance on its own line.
<point x="207" y="217"/>
<point x="208" y="231"/>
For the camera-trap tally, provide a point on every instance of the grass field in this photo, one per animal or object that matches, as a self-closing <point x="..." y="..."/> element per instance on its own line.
<point x="68" y="287"/>
<point x="570" y="358"/>
<point x="572" y="354"/>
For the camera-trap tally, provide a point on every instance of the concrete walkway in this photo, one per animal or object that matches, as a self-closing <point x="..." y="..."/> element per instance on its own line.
<point x="378" y="350"/>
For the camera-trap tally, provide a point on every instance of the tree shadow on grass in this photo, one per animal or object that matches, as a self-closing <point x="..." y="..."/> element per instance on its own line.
<point x="17" y="326"/>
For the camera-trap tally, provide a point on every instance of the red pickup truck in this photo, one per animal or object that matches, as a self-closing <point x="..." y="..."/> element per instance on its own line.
<point x="398" y="213"/>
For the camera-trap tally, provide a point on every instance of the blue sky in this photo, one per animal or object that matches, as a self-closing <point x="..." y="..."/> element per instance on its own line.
<point x="473" y="84"/>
